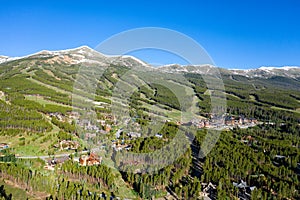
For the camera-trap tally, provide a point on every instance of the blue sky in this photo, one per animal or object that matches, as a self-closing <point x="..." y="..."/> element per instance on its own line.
<point x="236" y="34"/>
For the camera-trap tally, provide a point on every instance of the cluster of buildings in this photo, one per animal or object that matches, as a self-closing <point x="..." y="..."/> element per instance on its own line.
<point x="200" y="123"/>
<point x="68" y="117"/>
<point x="58" y="115"/>
<point x="230" y="120"/>
<point x="132" y="135"/>
<point x="88" y="125"/>
<point x="94" y="126"/>
<point x="224" y="121"/>
<point x="84" y="160"/>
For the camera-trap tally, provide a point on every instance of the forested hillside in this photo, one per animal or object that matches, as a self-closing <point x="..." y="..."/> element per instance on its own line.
<point x="43" y="113"/>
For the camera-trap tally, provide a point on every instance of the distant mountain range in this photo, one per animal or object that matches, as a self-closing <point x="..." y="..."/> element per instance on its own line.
<point x="262" y="72"/>
<point x="87" y="55"/>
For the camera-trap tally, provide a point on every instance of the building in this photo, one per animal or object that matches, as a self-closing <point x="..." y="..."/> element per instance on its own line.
<point x="200" y="123"/>
<point x="120" y="147"/>
<point x="111" y="118"/>
<point x="59" y="116"/>
<point x="4" y="146"/>
<point x="244" y="189"/>
<point x="118" y="133"/>
<point x="230" y="120"/>
<point x="51" y="163"/>
<point x="133" y="134"/>
<point x="252" y="121"/>
<point x="209" y="190"/>
<point x="67" y="145"/>
<point x="107" y="128"/>
<point x="90" y="160"/>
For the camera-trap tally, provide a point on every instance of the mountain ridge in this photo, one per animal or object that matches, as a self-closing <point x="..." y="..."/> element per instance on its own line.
<point x="87" y="55"/>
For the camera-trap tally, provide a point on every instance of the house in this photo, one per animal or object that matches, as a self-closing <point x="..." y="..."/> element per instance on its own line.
<point x="90" y="160"/>
<point x="208" y="187"/>
<point x="229" y="120"/>
<point x="242" y="184"/>
<point x="248" y="140"/>
<point x="107" y="128"/>
<point x="102" y="122"/>
<point x="208" y="190"/>
<point x="59" y="116"/>
<point x="49" y="167"/>
<point x="178" y="123"/>
<point x="67" y="145"/>
<point x="206" y="124"/>
<point x="133" y="134"/>
<point x="120" y="147"/>
<point x="128" y="147"/>
<point x="51" y="163"/>
<point x="244" y="189"/>
<point x="118" y="133"/>
<point x="279" y="156"/>
<point x="253" y="121"/>
<point x="4" y="146"/>
<point x="111" y="118"/>
<point x="58" y="160"/>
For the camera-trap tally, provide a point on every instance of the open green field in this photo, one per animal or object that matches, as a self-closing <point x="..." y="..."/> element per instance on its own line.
<point x="252" y="98"/>
<point x="26" y="144"/>
<point x="32" y="144"/>
<point x="289" y="110"/>
<point x="42" y="101"/>
<point x="16" y="192"/>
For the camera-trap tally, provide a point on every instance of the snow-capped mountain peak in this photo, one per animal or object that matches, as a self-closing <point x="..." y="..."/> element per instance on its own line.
<point x="3" y="59"/>
<point x="81" y="55"/>
<point x="267" y="72"/>
<point x="278" y="68"/>
<point x="88" y="56"/>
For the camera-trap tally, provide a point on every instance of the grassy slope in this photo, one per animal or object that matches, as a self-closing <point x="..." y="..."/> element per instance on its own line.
<point x="16" y="192"/>
<point x="42" y="101"/>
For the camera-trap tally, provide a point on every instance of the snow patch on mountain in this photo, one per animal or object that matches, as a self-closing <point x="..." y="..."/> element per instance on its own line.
<point x="135" y="59"/>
